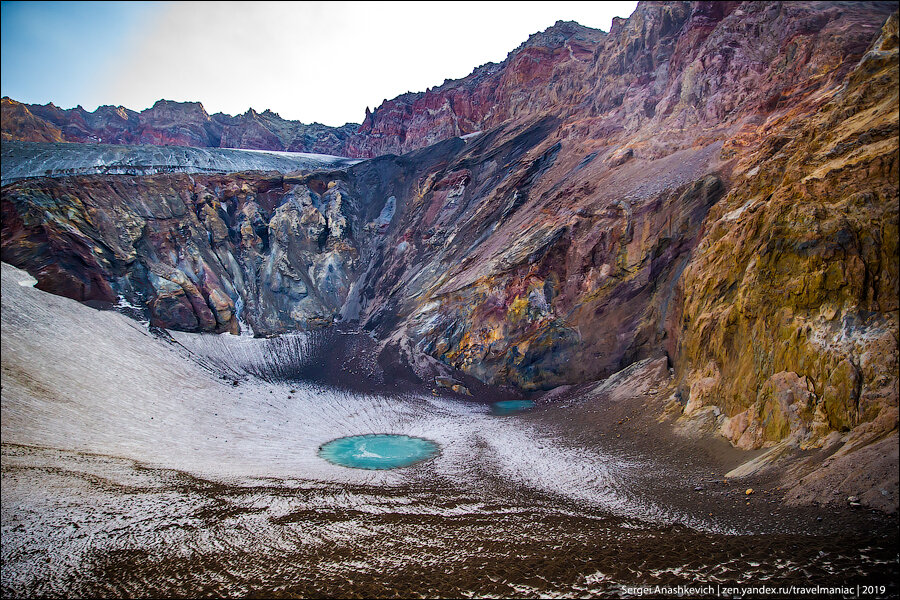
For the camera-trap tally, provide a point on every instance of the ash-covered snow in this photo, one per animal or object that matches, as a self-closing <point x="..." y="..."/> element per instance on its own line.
<point x="83" y="380"/>
<point x="26" y="280"/>
<point x="325" y="159"/>
<point x="22" y="160"/>
<point x="387" y="212"/>
<point x="133" y="465"/>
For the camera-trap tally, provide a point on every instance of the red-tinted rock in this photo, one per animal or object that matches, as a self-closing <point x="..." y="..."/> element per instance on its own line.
<point x="19" y="123"/>
<point x="170" y="123"/>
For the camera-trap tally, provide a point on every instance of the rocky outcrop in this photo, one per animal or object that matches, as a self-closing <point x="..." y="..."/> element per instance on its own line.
<point x="20" y="124"/>
<point x="512" y="274"/>
<point x="716" y="182"/>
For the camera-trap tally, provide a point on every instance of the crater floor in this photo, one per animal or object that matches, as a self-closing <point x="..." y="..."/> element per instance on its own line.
<point x="141" y="463"/>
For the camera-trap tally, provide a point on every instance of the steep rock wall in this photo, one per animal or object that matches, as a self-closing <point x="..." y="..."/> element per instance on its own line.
<point x="196" y="253"/>
<point x="790" y="318"/>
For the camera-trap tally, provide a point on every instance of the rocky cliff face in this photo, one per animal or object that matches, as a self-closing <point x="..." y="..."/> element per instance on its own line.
<point x="540" y="75"/>
<point x="197" y="253"/>
<point x="716" y="182"/>
<point x="799" y="264"/>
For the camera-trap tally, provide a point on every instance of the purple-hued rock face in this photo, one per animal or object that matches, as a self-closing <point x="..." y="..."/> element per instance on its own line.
<point x="712" y="181"/>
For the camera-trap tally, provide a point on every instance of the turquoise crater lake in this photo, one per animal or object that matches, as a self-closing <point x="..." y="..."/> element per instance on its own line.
<point x="508" y="407"/>
<point x="378" y="451"/>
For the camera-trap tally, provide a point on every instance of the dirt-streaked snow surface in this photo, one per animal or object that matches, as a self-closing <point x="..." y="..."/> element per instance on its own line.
<point x="22" y="160"/>
<point x="133" y="465"/>
<point x="108" y="386"/>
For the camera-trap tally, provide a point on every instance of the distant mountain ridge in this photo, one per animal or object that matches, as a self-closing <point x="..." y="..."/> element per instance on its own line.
<point x="523" y="83"/>
<point x="169" y="123"/>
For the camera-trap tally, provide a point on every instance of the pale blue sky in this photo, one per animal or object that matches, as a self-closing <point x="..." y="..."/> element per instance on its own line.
<point x="312" y="61"/>
<point x="61" y="51"/>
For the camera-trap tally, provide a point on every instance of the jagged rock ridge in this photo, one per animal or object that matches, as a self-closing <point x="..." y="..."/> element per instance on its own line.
<point x="170" y="123"/>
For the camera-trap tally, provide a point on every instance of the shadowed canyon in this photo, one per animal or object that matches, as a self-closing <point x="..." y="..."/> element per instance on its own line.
<point x="632" y="296"/>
